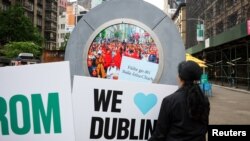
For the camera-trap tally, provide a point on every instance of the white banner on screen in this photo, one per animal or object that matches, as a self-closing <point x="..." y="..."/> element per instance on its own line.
<point x="35" y="103"/>
<point x="116" y="110"/>
<point x="137" y="70"/>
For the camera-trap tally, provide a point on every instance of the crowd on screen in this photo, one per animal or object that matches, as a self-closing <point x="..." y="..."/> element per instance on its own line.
<point x="104" y="58"/>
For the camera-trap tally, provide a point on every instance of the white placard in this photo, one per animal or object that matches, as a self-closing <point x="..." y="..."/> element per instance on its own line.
<point x="116" y="110"/>
<point x="35" y="103"/>
<point x="137" y="70"/>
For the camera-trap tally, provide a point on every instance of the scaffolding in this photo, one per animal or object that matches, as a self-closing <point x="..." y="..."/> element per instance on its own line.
<point x="194" y="10"/>
<point x="219" y="16"/>
<point x="228" y="64"/>
<point x="232" y="57"/>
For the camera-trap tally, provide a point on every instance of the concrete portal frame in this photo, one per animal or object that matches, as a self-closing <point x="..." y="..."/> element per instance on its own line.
<point x="125" y="21"/>
<point x="135" y="12"/>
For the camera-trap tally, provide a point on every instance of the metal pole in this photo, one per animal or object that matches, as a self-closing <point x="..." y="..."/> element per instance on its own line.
<point x="230" y="67"/>
<point x="76" y="12"/>
<point x="248" y="86"/>
<point x="203" y="21"/>
<point x="221" y="67"/>
<point x="215" y="66"/>
<point x="235" y="69"/>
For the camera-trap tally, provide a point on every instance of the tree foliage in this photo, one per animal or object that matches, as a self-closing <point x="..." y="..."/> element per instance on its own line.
<point x="11" y="50"/>
<point x="118" y="34"/>
<point x="64" y="44"/>
<point x="103" y="34"/>
<point x="15" y="27"/>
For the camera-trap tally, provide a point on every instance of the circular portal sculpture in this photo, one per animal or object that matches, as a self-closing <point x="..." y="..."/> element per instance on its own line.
<point x="126" y="40"/>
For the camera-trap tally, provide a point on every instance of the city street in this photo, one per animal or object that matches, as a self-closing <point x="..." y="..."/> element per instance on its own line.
<point x="229" y="106"/>
<point x="46" y="44"/>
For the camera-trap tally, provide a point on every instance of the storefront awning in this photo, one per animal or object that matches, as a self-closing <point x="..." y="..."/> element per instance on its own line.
<point x="198" y="61"/>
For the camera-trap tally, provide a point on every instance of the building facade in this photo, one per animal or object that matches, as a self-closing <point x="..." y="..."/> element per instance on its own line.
<point x="43" y="14"/>
<point x="226" y="46"/>
<point x="195" y="10"/>
<point x="74" y="12"/>
<point x="170" y="6"/>
<point x="61" y="27"/>
<point x="85" y="3"/>
<point x="179" y="19"/>
<point x="34" y="10"/>
<point x="51" y="15"/>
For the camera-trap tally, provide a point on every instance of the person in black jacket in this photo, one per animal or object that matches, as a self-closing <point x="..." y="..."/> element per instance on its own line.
<point x="184" y="115"/>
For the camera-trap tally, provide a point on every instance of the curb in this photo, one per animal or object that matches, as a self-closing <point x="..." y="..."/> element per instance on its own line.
<point x="233" y="89"/>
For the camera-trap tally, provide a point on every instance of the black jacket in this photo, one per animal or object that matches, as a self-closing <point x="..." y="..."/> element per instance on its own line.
<point x="174" y="122"/>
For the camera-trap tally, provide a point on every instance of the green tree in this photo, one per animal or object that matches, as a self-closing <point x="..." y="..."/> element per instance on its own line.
<point x="103" y="34"/>
<point x="118" y="34"/>
<point x="11" y="50"/>
<point x="15" y="27"/>
<point x="64" y="44"/>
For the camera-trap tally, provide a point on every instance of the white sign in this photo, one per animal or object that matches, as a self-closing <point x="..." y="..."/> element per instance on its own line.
<point x="116" y="110"/>
<point x="200" y="32"/>
<point x="35" y="103"/>
<point x="207" y="43"/>
<point x="137" y="70"/>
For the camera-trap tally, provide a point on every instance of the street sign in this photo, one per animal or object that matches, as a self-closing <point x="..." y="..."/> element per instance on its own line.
<point x="204" y="78"/>
<point x="200" y="32"/>
<point x="207" y="43"/>
<point x="248" y="27"/>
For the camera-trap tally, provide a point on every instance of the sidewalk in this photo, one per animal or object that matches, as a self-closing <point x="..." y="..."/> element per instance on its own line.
<point x="229" y="106"/>
<point x="232" y="89"/>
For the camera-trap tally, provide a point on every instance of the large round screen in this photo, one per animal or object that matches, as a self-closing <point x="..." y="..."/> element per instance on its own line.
<point x="125" y="52"/>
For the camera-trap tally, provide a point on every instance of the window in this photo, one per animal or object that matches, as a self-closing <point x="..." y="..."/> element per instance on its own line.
<point x="5" y="7"/>
<point x="231" y="2"/>
<point x="39" y="11"/>
<point x="39" y="21"/>
<point x="62" y="35"/>
<point x="232" y="20"/>
<point x="209" y="32"/>
<point x="209" y="13"/>
<point x="219" y="7"/>
<point x="219" y="27"/>
<point x="62" y="26"/>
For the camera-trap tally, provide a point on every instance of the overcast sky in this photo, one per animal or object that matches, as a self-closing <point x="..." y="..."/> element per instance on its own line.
<point x="157" y="3"/>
